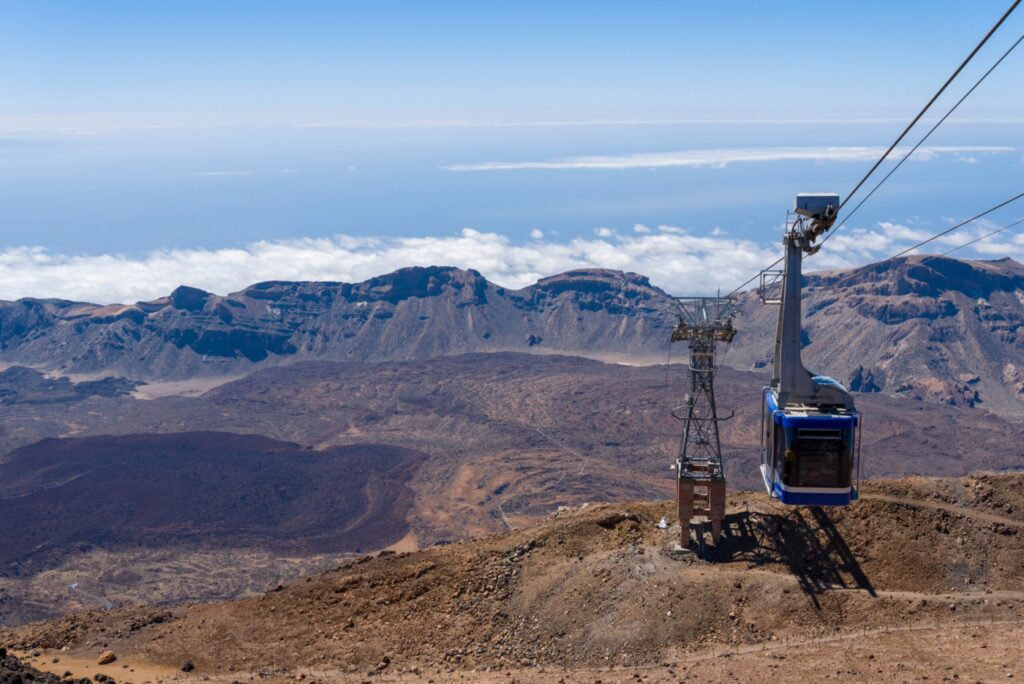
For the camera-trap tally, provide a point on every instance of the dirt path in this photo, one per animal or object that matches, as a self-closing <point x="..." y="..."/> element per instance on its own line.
<point x="844" y="636"/>
<point x="949" y="508"/>
<point x="122" y="669"/>
<point x="948" y="596"/>
<point x="990" y="594"/>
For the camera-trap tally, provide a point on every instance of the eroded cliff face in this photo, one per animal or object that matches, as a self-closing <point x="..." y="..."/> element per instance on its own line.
<point x="926" y="327"/>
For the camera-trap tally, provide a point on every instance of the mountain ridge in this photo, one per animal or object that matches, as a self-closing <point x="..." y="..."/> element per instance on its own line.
<point x="924" y="326"/>
<point x="411" y="313"/>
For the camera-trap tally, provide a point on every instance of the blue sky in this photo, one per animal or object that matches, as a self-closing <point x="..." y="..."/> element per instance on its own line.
<point x="147" y="143"/>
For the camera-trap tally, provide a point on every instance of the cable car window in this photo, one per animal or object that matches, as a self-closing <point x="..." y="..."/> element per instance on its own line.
<point x="822" y="460"/>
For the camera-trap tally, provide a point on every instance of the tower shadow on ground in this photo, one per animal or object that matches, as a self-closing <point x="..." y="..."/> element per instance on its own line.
<point x="805" y="540"/>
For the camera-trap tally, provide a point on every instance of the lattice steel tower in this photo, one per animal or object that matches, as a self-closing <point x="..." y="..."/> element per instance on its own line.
<point x="700" y="476"/>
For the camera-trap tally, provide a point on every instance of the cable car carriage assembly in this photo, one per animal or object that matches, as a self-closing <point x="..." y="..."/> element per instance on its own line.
<point x="810" y="428"/>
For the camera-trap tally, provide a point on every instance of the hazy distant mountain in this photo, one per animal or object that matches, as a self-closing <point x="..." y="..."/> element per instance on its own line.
<point x="927" y="327"/>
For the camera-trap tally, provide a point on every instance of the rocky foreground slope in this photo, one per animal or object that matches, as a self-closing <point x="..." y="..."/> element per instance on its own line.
<point x="14" y="671"/>
<point x="600" y="593"/>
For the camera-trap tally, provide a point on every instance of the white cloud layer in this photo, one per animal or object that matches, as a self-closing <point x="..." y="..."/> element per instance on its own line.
<point x="718" y="158"/>
<point x="675" y="259"/>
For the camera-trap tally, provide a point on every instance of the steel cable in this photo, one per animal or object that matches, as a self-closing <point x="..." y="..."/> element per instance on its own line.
<point x="950" y="230"/>
<point x="923" y="139"/>
<point x="906" y="130"/>
<point x="984" y="237"/>
<point x="930" y="103"/>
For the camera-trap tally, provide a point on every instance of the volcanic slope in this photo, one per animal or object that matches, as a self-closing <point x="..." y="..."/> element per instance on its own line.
<point x="498" y="440"/>
<point x="921" y="578"/>
<point x="510" y="437"/>
<point x="515" y="435"/>
<point x="233" y="503"/>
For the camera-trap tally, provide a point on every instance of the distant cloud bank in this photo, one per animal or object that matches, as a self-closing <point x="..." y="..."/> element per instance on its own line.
<point x="723" y="157"/>
<point x="675" y="258"/>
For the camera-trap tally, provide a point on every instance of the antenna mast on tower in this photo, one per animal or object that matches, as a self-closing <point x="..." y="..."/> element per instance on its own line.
<point x="700" y="475"/>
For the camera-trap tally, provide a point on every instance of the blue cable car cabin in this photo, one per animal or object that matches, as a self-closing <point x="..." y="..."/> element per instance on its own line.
<point x="809" y="453"/>
<point x="810" y="427"/>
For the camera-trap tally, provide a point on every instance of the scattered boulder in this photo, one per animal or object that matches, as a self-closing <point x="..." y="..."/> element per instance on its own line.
<point x="106" y="657"/>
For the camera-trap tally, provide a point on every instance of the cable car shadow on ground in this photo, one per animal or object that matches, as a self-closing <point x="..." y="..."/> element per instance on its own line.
<point x="805" y="539"/>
